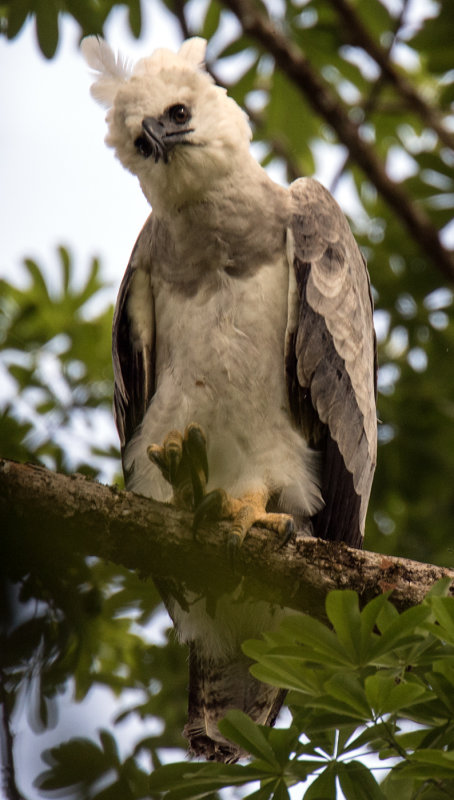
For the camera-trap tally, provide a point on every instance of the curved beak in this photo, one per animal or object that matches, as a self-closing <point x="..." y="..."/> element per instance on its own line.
<point x="161" y="136"/>
<point x="154" y="131"/>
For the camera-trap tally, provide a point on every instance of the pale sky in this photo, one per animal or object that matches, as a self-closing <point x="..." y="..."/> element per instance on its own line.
<point x="58" y="181"/>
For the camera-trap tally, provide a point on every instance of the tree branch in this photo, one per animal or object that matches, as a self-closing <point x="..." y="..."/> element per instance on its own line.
<point x="45" y="513"/>
<point x="370" y="102"/>
<point x="359" y="36"/>
<point x="298" y="69"/>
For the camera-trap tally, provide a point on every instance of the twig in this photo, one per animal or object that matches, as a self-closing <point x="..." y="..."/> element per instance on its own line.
<point x="359" y="35"/>
<point x="294" y="64"/>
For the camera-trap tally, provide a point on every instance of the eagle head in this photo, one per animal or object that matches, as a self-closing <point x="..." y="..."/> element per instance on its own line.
<point x="167" y="120"/>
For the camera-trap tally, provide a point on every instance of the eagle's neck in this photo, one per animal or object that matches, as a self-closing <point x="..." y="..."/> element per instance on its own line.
<point x="237" y="225"/>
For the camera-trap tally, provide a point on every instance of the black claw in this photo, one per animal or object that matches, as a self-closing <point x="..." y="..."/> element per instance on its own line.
<point x="198" y="488"/>
<point x="233" y="546"/>
<point x="174" y="458"/>
<point x="196" y="446"/>
<point x="210" y="506"/>
<point x="288" y="533"/>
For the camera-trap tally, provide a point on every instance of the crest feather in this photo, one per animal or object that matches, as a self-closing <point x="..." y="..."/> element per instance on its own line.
<point x="193" y="51"/>
<point x="112" y="69"/>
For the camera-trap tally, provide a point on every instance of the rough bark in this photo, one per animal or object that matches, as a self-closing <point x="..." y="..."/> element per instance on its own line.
<point x="44" y="513"/>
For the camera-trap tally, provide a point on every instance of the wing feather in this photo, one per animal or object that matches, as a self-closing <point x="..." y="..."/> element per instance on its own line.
<point x="331" y="358"/>
<point x="133" y="341"/>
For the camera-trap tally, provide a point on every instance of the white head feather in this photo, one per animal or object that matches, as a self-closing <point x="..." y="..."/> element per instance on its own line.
<point x="219" y="128"/>
<point x="112" y="70"/>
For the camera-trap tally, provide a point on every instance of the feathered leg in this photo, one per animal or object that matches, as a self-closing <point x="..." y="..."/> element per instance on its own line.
<point x="215" y="687"/>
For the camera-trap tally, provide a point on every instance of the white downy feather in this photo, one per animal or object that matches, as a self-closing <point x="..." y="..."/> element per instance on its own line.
<point x="113" y="69"/>
<point x="193" y="51"/>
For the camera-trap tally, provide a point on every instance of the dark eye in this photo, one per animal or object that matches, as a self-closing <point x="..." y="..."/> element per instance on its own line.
<point x="179" y="114"/>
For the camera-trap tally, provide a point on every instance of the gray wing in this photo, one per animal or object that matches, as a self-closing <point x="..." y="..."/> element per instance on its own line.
<point x="330" y="358"/>
<point x="133" y="340"/>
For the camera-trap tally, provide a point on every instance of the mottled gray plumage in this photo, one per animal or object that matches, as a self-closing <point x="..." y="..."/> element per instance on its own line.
<point x="246" y="309"/>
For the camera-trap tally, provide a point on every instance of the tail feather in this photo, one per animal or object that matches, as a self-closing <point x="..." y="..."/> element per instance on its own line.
<point x="215" y="687"/>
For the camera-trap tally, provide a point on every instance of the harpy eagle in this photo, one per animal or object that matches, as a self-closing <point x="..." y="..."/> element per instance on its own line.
<point x="243" y="350"/>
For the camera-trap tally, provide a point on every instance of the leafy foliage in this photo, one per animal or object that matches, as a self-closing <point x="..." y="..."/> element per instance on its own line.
<point x="69" y="622"/>
<point x="56" y="355"/>
<point x="90" y="15"/>
<point x="354" y="685"/>
<point x="79" y="625"/>
<point x="372" y="682"/>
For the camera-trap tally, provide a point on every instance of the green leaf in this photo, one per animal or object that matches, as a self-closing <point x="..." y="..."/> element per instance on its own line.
<point x="281" y="791"/>
<point x="446" y="668"/>
<point x="321" y="713"/>
<point x="288" y="673"/>
<point x="324" y="786"/>
<point x="47" y="26"/>
<point x="438" y="758"/>
<point x="17" y="14"/>
<point x="375" y="735"/>
<point x="400" y="632"/>
<point x="239" y="728"/>
<point x="443" y="608"/>
<point x="298" y="770"/>
<point x="73" y="763"/>
<point x="187" y="780"/>
<point x="212" y="19"/>
<point x="387" y="615"/>
<point x="374" y="609"/>
<point x="65" y="261"/>
<point x="342" y="608"/>
<point x="387" y="697"/>
<point x="347" y="688"/>
<point x="283" y="742"/>
<point x="344" y="734"/>
<point x="135" y="17"/>
<point x="439" y="30"/>
<point x="265" y="792"/>
<point x="109" y="746"/>
<point x="357" y="782"/>
<point x="441" y="682"/>
<point x="440" y="588"/>
<point x="235" y="46"/>
<point x="425" y="764"/>
<point x="393" y="785"/>
<point x="323" y="643"/>
<point x="39" y="286"/>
